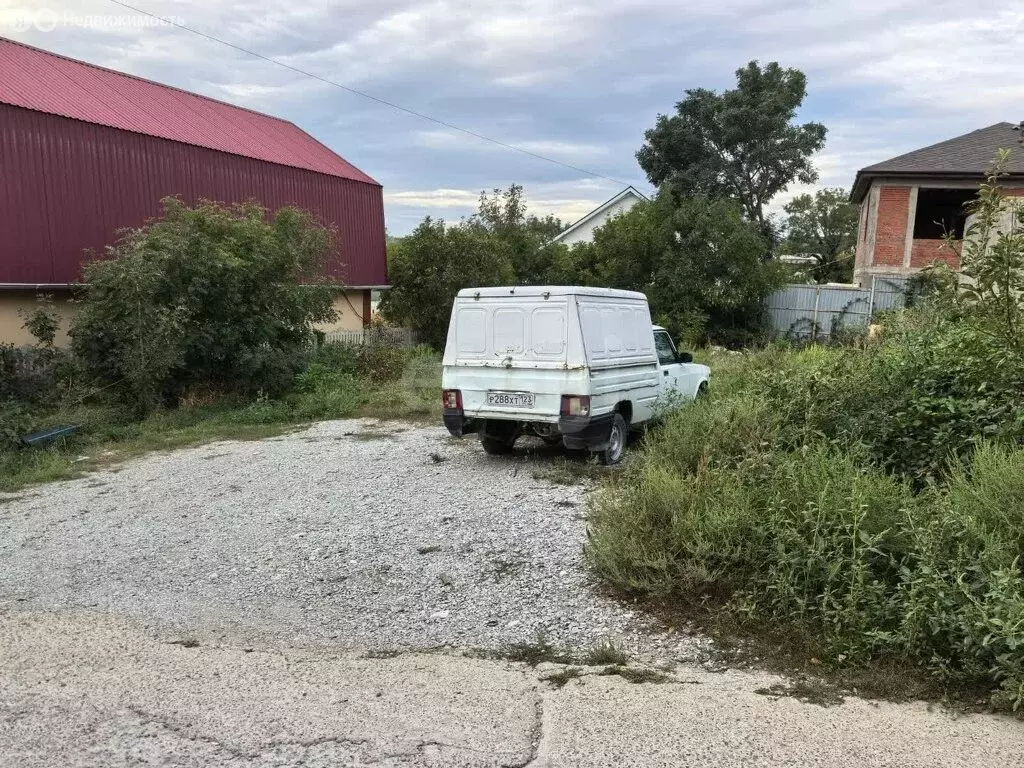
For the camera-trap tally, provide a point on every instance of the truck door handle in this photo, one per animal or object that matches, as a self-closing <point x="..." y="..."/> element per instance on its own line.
<point x="666" y="373"/>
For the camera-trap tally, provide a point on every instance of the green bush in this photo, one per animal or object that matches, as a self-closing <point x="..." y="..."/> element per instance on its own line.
<point x="330" y="367"/>
<point x="205" y="297"/>
<point x="789" y="499"/>
<point x="928" y="394"/>
<point x="381" y="362"/>
<point x="15" y="422"/>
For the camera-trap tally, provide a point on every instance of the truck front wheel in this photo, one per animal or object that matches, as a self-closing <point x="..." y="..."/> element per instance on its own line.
<point x="616" y="447"/>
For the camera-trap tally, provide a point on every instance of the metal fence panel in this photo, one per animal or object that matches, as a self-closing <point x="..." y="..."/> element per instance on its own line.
<point x="817" y="311"/>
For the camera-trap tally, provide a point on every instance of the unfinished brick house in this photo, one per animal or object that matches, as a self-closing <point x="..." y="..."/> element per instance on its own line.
<point x="909" y="202"/>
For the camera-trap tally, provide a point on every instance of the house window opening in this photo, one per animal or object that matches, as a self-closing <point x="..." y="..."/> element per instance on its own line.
<point x="941" y="212"/>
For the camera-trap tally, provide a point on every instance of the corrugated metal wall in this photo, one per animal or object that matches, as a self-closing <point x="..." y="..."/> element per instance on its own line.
<point x="66" y="186"/>
<point x="812" y="311"/>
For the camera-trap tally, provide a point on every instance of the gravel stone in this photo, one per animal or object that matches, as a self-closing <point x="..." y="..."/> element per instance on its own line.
<point x="349" y="534"/>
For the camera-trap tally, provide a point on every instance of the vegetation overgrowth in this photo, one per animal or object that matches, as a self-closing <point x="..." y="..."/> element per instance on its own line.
<point x="339" y="381"/>
<point x="866" y="500"/>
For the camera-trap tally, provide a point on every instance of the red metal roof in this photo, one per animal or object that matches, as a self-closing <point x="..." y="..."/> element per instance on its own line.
<point x="45" y="82"/>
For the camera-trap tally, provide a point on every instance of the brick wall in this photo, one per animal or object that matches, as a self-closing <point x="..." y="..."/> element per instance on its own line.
<point x="891" y="227"/>
<point x="924" y="252"/>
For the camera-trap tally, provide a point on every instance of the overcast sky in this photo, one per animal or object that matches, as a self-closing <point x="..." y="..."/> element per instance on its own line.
<point x="575" y="81"/>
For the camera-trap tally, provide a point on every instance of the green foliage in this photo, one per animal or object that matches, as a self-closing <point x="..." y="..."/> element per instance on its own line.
<point x="210" y="296"/>
<point x="430" y="266"/>
<point x="523" y="239"/>
<point x="15" y="421"/>
<point x="931" y="391"/>
<point x="733" y="501"/>
<point x="823" y="226"/>
<point x="990" y="285"/>
<point x="740" y="144"/>
<point x="34" y="375"/>
<point x="697" y="260"/>
<point x="42" y="323"/>
<point x="331" y="387"/>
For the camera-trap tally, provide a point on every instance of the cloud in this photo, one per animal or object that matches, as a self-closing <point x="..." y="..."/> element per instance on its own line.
<point x="567" y="201"/>
<point x="575" y="81"/>
<point x="460" y="199"/>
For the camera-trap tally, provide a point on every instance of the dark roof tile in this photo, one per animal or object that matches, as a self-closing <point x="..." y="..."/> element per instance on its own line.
<point x="970" y="153"/>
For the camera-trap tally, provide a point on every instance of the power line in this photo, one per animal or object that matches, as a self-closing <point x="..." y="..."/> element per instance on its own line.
<point x="371" y="97"/>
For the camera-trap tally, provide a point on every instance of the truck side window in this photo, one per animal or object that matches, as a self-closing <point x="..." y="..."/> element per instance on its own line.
<point x="665" y="348"/>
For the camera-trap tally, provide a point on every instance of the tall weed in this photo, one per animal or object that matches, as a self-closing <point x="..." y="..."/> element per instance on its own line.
<point x="870" y="500"/>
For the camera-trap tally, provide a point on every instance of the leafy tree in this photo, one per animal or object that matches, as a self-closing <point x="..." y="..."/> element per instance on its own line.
<point x="206" y="296"/>
<point x="524" y="239"/>
<point x="699" y="262"/>
<point x="823" y="226"/>
<point x="740" y="144"/>
<point x="500" y="244"/>
<point x="428" y="267"/>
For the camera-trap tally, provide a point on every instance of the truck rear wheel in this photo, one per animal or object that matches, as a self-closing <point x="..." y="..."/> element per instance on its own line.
<point x="495" y="446"/>
<point x="497" y="437"/>
<point x="616" y="447"/>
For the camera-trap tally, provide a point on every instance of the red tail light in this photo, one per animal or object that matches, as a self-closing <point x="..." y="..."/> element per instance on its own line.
<point x="451" y="399"/>
<point x="575" y="405"/>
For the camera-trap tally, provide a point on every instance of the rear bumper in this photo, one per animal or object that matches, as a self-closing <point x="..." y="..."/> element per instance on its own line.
<point x="577" y="432"/>
<point x="457" y="424"/>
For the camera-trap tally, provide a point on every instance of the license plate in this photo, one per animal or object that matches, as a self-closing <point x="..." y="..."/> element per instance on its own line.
<point x="511" y="399"/>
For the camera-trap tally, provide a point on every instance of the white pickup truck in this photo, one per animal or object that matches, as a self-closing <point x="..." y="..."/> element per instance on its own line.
<point x="580" y="366"/>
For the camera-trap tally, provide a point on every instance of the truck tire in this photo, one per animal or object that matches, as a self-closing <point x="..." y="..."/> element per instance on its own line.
<point x="616" y="447"/>
<point x="495" y="446"/>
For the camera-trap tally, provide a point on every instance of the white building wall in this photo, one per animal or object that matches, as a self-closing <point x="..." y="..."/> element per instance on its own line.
<point x="584" y="233"/>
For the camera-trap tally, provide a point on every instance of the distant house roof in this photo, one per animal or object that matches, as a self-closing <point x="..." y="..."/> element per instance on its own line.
<point x="965" y="156"/>
<point x="629" y="191"/>
<point x="46" y="82"/>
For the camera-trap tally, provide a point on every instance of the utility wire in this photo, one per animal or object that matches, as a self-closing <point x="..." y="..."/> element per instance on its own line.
<point x="369" y="96"/>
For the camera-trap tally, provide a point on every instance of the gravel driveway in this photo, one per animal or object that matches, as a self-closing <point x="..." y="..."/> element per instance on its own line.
<point x="350" y="534"/>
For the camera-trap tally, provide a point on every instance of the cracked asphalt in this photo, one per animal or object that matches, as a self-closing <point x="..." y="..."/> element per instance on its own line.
<point x="142" y="624"/>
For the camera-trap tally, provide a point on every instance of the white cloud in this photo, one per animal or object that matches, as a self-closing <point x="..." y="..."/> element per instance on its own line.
<point x="574" y="81"/>
<point x="568" y="201"/>
<point x="434" y="198"/>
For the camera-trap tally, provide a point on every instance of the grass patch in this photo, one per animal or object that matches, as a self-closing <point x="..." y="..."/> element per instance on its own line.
<point x="606" y="651"/>
<point x="539" y="651"/>
<point x="807" y="691"/>
<point x="571" y="470"/>
<point x="636" y="675"/>
<point x="561" y="678"/>
<point x="107" y="434"/>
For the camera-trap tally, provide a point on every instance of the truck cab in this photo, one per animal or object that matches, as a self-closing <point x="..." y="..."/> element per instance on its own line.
<point x="576" y="366"/>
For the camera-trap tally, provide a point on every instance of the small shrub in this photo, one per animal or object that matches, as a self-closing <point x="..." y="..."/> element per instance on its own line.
<point x="381" y="362"/>
<point x="15" y="422"/>
<point x="43" y="324"/>
<point x="330" y="367"/>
